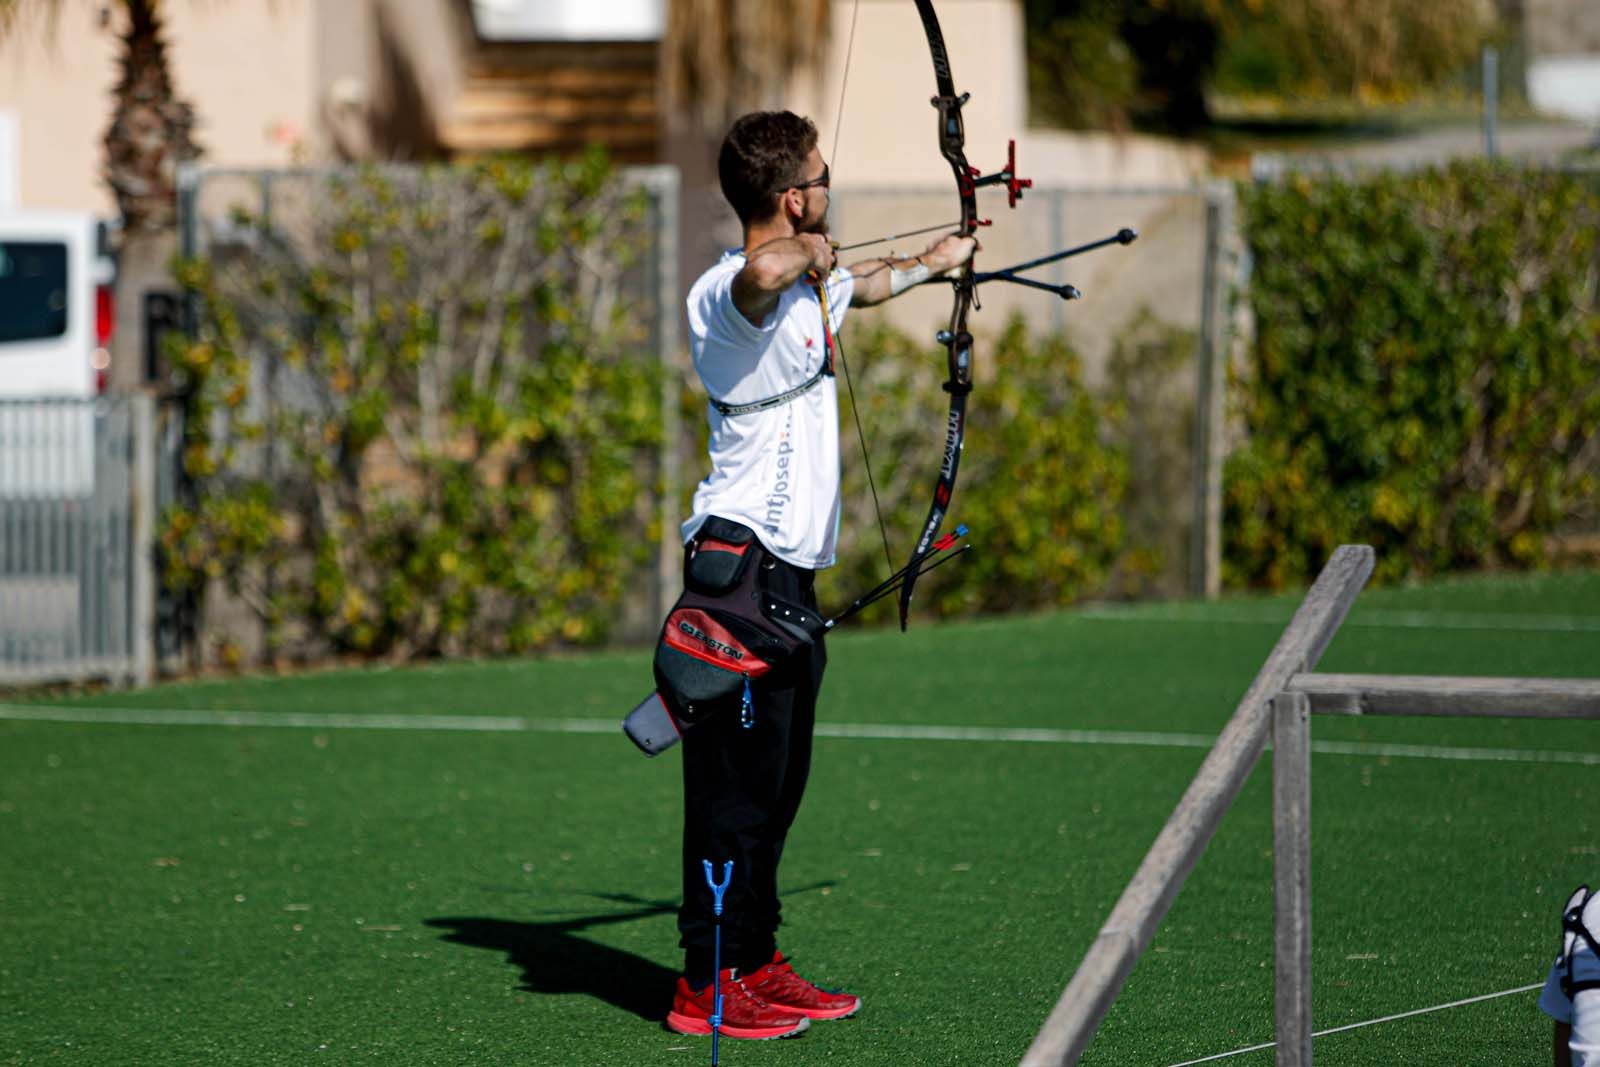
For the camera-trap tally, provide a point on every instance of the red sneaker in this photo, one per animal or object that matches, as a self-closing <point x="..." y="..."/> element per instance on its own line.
<point x="743" y="1015"/>
<point x="779" y="985"/>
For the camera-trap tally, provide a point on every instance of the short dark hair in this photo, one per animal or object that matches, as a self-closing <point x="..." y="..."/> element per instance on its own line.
<point x="764" y="154"/>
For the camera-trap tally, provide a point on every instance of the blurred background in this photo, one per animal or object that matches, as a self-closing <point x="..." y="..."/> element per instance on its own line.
<point x="351" y="329"/>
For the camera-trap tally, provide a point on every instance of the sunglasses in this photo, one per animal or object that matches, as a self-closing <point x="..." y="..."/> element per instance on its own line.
<point x="822" y="180"/>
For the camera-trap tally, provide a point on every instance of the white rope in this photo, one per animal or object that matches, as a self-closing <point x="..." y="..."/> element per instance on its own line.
<point x="837" y="730"/>
<point x="1369" y="1022"/>
<point x="1361" y="618"/>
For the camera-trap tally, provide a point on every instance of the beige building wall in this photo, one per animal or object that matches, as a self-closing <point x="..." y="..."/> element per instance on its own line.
<point x="278" y="82"/>
<point x="888" y="177"/>
<point x="56" y="82"/>
<point x="247" y="67"/>
<point x="887" y="135"/>
<point x="273" y="83"/>
<point x="388" y="74"/>
<point x="1562" y="27"/>
<point x="1564" y="57"/>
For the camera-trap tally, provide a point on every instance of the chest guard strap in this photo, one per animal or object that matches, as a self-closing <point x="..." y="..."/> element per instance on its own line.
<point x="825" y="371"/>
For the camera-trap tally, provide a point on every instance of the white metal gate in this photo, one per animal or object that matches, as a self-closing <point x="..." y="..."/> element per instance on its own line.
<point x="76" y="524"/>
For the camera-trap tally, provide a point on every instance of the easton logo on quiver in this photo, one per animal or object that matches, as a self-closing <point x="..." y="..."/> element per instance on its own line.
<point x="709" y="641"/>
<point x="697" y="633"/>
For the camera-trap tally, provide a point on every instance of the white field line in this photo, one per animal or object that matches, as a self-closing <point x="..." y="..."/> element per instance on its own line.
<point x="1361" y="619"/>
<point x="1369" y="1022"/>
<point x="859" y="731"/>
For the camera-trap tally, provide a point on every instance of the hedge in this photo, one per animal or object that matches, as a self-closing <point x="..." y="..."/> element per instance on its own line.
<point x="1425" y="375"/>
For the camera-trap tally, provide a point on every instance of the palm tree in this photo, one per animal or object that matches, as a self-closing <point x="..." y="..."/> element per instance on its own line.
<point x="150" y="134"/>
<point x="151" y="129"/>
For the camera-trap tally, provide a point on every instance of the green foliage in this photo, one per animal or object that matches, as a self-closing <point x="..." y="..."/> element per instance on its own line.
<point x="1080" y="71"/>
<point x="1109" y="64"/>
<point x="1115" y="64"/>
<point x="1375" y="51"/>
<point x="1426" y="372"/>
<point x="1151" y="380"/>
<point x="1040" y="484"/>
<point x="424" y="420"/>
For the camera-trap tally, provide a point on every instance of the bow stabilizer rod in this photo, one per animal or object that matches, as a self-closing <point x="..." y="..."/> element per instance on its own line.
<point x="1065" y="292"/>
<point x="1123" y="236"/>
<point x="1013" y="274"/>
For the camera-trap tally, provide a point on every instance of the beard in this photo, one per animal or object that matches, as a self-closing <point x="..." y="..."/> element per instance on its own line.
<point x="817" y="225"/>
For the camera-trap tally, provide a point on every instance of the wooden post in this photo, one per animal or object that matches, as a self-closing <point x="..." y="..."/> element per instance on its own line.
<point x="1132" y="923"/>
<point x="1291" y="872"/>
<point x="1412" y="694"/>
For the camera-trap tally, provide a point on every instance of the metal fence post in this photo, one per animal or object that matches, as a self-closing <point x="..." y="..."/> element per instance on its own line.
<point x="141" y="552"/>
<point x="1058" y="273"/>
<point x="669" y="560"/>
<point x="1205" y="558"/>
<point x="1491" y="102"/>
<point x="1291" y="870"/>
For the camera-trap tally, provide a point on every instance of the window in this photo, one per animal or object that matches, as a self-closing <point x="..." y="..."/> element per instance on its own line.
<point x="569" y="20"/>
<point x="33" y="290"/>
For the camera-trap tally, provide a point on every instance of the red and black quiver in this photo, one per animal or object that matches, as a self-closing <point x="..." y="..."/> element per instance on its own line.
<point x="724" y="635"/>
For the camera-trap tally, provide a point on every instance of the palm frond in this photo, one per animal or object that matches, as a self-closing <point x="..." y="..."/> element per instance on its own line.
<point x="724" y="57"/>
<point x="21" y="15"/>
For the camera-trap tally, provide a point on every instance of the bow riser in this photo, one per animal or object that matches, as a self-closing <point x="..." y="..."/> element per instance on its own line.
<point x="960" y="358"/>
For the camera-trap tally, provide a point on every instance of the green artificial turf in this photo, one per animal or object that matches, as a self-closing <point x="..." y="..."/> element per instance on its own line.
<point x="254" y="895"/>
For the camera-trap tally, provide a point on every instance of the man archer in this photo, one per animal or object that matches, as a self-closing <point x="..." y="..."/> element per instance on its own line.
<point x="762" y="322"/>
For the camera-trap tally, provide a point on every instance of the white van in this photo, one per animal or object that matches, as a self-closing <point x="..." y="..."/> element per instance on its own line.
<point x="56" y="318"/>
<point x="56" y="305"/>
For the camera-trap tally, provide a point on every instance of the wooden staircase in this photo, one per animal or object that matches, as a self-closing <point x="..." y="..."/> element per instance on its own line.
<point x="559" y="98"/>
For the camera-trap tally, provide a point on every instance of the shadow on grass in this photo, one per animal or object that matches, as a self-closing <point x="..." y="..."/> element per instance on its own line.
<point x="555" y="961"/>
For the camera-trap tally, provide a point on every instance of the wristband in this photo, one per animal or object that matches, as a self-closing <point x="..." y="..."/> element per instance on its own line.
<point x="901" y="280"/>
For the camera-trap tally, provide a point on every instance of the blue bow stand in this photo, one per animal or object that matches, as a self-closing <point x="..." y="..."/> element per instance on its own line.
<point x="717" y="889"/>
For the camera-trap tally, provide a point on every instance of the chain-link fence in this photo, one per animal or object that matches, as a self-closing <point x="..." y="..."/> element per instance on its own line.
<point x="462" y="292"/>
<point x="1153" y="329"/>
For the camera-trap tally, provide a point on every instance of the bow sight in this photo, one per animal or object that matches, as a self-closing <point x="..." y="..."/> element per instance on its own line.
<point x="1007" y="177"/>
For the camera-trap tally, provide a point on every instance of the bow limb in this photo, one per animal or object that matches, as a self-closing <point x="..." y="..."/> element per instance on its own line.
<point x="957" y="340"/>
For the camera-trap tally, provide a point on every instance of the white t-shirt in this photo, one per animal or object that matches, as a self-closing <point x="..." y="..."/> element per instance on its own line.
<point x="777" y="470"/>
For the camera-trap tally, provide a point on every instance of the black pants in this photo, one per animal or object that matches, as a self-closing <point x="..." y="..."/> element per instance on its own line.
<point x="741" y="790"/>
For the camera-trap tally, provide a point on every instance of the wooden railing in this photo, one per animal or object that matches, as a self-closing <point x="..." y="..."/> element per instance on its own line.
<point x="1281" y="700"/>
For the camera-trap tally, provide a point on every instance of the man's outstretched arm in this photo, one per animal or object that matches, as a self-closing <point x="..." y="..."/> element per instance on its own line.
<point x="879" y="279"/>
